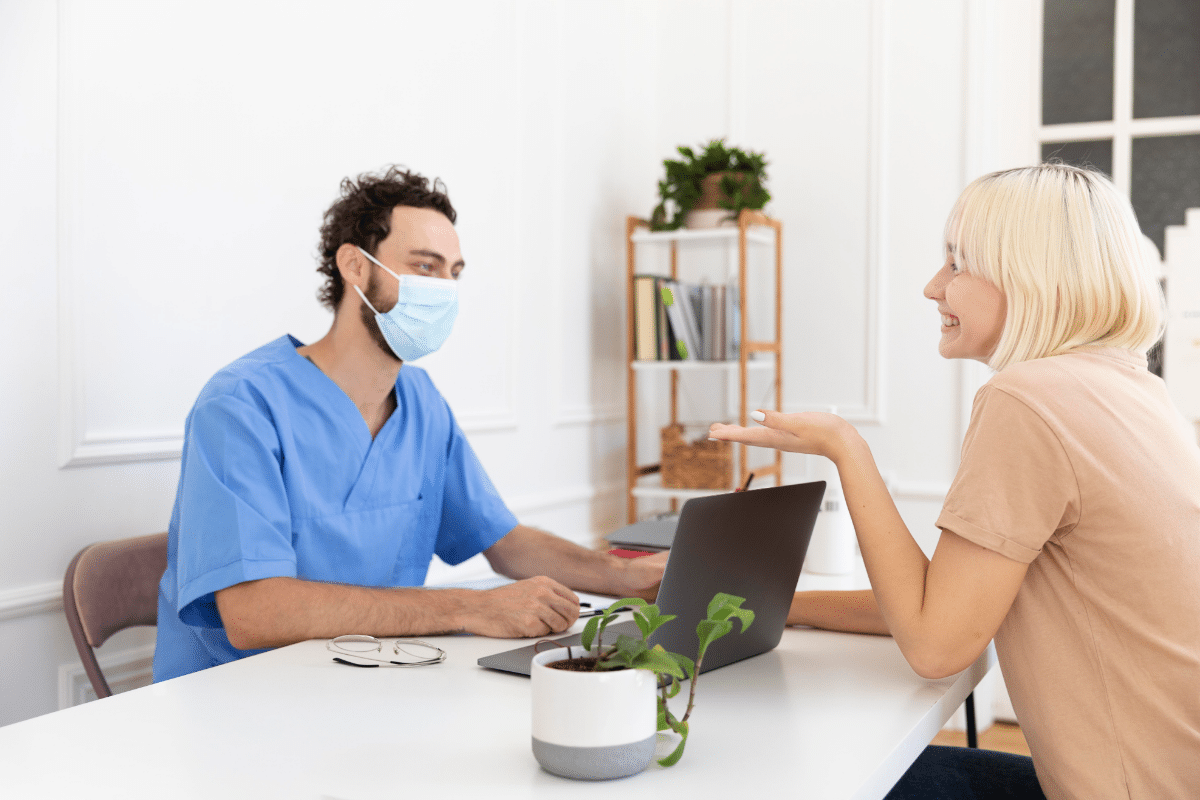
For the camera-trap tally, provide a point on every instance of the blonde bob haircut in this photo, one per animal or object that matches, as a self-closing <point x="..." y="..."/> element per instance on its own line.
<point x="1064" y="247"/>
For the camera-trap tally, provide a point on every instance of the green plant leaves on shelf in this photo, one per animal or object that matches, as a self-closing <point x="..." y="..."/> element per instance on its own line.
<point x="681" y="189"/>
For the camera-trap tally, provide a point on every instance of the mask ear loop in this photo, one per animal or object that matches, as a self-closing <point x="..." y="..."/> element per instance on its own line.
<point x="364" y="299"/>
<point x="378" y="263"/>
<point x="360" y="291"/>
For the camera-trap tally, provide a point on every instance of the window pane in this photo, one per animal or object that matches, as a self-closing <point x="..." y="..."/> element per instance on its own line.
<point x="1165" y="181"/>
<point x="1077" y="60"/>
<point x="1096" y="154"/>
<point x="1166" y="58"/>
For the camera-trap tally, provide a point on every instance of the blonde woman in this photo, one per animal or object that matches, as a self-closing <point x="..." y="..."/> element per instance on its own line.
<point x="1071" y="532"/>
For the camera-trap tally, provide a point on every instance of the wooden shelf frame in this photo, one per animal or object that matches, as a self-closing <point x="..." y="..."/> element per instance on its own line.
<point x="750" y="229"/>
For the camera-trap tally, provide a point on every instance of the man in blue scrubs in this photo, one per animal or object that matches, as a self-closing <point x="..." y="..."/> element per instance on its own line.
<point x="317" y="481"/>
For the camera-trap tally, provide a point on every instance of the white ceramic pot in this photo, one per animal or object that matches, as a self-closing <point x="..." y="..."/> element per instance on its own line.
<point x="592" y="725"/>
<point x="709" y="218"/>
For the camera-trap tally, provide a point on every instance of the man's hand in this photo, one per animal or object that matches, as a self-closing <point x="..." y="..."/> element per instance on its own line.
<point x="532" y="607"/>
<point x="642" y="576"/>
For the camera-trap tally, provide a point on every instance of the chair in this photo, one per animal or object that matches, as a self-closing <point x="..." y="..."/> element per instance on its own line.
<point x="110" y="586"/>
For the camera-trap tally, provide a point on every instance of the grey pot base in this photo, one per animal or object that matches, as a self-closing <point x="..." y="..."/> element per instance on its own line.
<point x="595" y="763"/>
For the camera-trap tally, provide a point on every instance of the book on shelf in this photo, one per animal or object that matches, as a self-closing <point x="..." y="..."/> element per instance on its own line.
<point x="694" y="322"/>
<point x="653" y="339"/>
<point x="732" y="323"/>
<point x="645" y="319"/>
<point x="679" y="321"/>
<point x="687" y="300"/>
<point x="667" y="349"/>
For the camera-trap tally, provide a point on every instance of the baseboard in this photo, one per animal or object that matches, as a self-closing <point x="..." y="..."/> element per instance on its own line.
<point x="124" y="670"/>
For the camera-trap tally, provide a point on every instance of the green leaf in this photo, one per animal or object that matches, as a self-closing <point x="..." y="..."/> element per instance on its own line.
<point x="677" y="753"/>
<point x="721" y="599"/>
<point x="743" y="615"/>
<point x="589" y="633"/>
<point x="666" y="720"/>
<point x="659" y="661"/>
<point x="630" y="649"/>
<point x="649" y="620"/>
<point x="724" y="606"/>
<point x="686" y="664"/>
<point x="709" y="631"/>
<point x="632" y="602"/>
<point x="643" y="623"/>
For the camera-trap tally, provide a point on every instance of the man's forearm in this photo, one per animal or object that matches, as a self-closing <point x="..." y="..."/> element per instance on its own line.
<point x="279" y="611"/>
<point x="526" y="552"/>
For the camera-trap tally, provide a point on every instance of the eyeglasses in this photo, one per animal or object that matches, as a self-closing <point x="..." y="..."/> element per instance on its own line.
<point x="360" y="646"/>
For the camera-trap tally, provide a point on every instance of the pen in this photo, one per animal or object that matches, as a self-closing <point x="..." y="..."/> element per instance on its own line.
<point x="600" y="611"/>
<point x="746" y="485"/>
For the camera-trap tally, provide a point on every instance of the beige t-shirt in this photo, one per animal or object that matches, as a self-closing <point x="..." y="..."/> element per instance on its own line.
<point x="1081" y="466"/>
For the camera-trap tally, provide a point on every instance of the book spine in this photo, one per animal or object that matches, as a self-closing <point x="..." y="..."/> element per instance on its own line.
<point x="708" y="323"/>
<point x="720" y="343"/>
<point x="675" y="303"/>
<point x="733" y="319"/>
<point x="690" y="305"/>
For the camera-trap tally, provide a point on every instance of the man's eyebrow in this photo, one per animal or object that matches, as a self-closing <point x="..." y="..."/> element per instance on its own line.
<point x="435" y="256"/>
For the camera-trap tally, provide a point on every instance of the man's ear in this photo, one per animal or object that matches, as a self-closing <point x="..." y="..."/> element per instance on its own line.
<point x="352" y="265"/>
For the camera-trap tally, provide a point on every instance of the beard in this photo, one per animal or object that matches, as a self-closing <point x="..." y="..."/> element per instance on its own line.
<point x="368" y="317"/>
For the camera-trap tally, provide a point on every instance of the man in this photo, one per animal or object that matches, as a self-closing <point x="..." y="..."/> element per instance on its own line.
<point x="317" y="481"/>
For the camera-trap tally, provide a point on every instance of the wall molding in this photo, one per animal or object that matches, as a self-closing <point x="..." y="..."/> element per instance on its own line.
<point x="26" y="601"/>
<point x="568" y="416"/>
<point x="46" y="598"/>
<point x="124" y="670"/>
<point x="920" y="491"/>
<point x="78" y="446"/>
<point x="873" y="411"/>
<point x="544" y="501"/>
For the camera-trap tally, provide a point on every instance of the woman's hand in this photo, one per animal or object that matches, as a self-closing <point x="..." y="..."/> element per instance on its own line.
<point x="811" y="432"/>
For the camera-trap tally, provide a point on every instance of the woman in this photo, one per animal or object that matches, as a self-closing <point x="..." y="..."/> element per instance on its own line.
<point x="1071" y="532"/>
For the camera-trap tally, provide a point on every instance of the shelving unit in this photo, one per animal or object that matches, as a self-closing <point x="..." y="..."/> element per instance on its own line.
<point x="753" y="228"/>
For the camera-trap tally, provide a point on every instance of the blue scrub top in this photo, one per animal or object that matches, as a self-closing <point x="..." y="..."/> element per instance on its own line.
<point x="280" y="478"/>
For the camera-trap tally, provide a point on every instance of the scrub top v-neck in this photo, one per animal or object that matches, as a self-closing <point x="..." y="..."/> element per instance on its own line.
<point x="280" y="477"/>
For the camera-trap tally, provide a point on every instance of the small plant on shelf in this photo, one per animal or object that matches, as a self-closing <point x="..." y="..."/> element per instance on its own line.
<point x="741" y="176"/>
<point x="671" y="669"/>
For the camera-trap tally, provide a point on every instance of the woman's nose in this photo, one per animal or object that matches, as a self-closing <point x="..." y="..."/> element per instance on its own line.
<point x="933" y="289"/>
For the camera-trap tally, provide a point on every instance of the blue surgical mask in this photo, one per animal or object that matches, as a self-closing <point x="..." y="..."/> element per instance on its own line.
<point x="423" y="315"/>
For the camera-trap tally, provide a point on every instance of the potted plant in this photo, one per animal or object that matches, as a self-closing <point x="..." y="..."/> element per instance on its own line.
<point x="596" y="712"/>
<point x="707" y="189"/>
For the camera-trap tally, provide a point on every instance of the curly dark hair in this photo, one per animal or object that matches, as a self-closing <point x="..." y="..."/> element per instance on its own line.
<point x="363" y="216"/>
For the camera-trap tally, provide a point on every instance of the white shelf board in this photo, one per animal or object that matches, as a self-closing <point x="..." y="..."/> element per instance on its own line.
<point x="758" y="234"/>
<point x="664" y="366"/>
<point x="647" y="492"/>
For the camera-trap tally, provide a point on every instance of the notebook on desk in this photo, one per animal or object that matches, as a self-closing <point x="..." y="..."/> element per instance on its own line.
<point x="750" y="544"/>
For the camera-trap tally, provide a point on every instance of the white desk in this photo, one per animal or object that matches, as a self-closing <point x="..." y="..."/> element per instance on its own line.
<point x="834" y="715"/>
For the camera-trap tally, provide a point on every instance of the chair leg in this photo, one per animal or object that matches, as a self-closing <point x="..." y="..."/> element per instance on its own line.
<point x="972" y="737"/>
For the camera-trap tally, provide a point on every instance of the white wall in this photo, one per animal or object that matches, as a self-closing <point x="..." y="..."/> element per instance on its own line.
<point x="164" y="168"/>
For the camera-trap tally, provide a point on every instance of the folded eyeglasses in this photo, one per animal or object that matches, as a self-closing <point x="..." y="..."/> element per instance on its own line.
<point x="411" y="652"/>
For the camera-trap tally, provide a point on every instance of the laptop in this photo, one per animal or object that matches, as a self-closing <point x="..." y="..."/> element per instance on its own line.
<point x="750" y="544"/>
<point x="652" y="535"/>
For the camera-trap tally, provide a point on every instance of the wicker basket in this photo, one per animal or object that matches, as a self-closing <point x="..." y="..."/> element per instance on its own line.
<point x="699" y="464"/>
